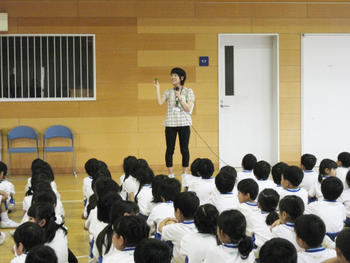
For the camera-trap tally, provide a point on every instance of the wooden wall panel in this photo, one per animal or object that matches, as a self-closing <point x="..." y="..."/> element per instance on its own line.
<point x="250" y="10"/>
<point x="138" y="41"/>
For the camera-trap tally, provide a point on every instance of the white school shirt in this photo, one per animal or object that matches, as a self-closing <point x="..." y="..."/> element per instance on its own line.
<point x="310" y="178"/>
<point x="245" y="174"/>
<point x="227" y="253"/>
<point x="316" y="255"/>
<point x="249" y="210"/>
<point x="174" y="233"/>
<point x="7" y="187"/>
<point x="195" y="245"/>
<point x="224" y="202"/>
<point x="286" y="231"/>
<point x="258" y="227"/>
<point x="341" y="174"/>
<point x="144" y="199"/>
<point x="60" y="245"/>
<point x="315" y="191"/>
<point x="130" y="185"/>
<point x="345" y="199"/>
<point x="19" y="259"/>
<point x="331" y="212"/>
<point x="298" y="192"/>
<point x="189" y="179"/>
<point x="264" y="184"/>
<point x="121" y="256"/>
<point x="159" y="213"/>
<point x="87" y="189"/>
<point x="203" y="188"/>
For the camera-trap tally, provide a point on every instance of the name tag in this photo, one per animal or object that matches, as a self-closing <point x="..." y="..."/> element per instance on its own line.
<point x="176" y="109"/>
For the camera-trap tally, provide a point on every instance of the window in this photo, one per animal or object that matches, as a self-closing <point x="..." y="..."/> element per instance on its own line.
<point x="47" y="67"/>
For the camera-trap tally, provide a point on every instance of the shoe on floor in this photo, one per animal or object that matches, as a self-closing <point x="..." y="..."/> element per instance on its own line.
<point x="2" y="237"/>
<point x="171" y="176"/>
<point x="8" y="224"/>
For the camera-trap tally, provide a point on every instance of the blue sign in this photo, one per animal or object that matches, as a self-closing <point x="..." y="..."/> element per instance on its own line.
<point x="204" y="61"/>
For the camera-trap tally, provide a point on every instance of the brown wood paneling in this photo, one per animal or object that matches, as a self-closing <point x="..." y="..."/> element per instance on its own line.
<point x="63" y="8"/>
<point x="328" y="10"/>
<point x="250" y="10"/>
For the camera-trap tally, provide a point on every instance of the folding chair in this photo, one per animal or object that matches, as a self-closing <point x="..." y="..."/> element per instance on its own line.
<point x="59" y="131"/>
<point x="21" y="132"/>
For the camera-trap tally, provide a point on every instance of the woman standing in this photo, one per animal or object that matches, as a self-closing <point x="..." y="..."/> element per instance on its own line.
<point x="178" y="117"/>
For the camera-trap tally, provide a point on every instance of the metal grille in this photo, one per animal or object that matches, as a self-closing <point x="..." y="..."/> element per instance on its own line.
<point x="47" y="67"/>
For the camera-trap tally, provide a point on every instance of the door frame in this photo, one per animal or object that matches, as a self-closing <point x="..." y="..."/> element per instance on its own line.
<point x="277" y="93"/>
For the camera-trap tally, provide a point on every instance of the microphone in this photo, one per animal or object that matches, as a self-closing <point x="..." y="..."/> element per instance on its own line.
<point x="176" y="98"/>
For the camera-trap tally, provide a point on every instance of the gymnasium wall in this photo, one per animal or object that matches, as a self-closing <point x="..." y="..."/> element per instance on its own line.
<point x="139" y="40"/>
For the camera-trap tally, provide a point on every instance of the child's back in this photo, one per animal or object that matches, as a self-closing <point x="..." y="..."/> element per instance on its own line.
<point x="308" y="162"/>
<point x="225" y="198"/>
<point x="206" y="185"/>
<point x="248" y="163"/>
<point x="291" y="180"/>
<point x="329" y="210"/>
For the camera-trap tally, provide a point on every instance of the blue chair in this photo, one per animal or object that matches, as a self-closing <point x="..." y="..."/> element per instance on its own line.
<point x="59" y="131"/>
<point x="21" y="132"/>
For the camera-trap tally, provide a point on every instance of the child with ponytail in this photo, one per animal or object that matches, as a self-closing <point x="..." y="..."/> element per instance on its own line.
<point x="235" y="245"/>
<point x="194" y="245"/>
<point x="327" y="168"/>
<point x="55" y="236"/>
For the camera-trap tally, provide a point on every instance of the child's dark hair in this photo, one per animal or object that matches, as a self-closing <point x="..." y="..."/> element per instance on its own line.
<point x="268" y="201"/>
<point x="45" y="196"/>
<point x="41" y="254"/>
<point x="104" y="184"/>
<point x="130" y="164"/>
<point x="187" y="203"/>
<point x="132" y="228"/>
<point x="152" y="251"/>
<point x="262" y="170"/>
<point x="325" y="164"/>
<point x="104" y="205"/>
<point x="43" y="167"/>
<point x="29" y="234"/>
<point x="233" y="224"/>
<point x="344" y="158"/>
<point x="342" y="242"/>
<point x="249" y="161"/>
<point x="248" y="186"/>
<point x="102" y="171"/>
<point x="46" y="211"/>
<point x="195" y="167"/>
<point x="278" y="250"/>
<point x="347" y="179"/>
<point x="118" y="209"/>
<point x="39" y="182"/>
<point x="145" y="176"/>
<point x="229" y="169"/>
<point x="277" y="171"/>
<point x="293" y="205"/>
<point x="91" y="167"/>
<point x="308" y="161"/>
<point x="206" y="168"/>
<point x="181" y="73"/>
<point x="206" y="218"/>
<point x="332" y="188"/>
<point x="311" y="229"/>
<point x="169" y="189"/>
<point x="225" y="182"/>
<point x="157" y="186"/>
<point x="3" y="168"/>
<point x="294" y="175"/>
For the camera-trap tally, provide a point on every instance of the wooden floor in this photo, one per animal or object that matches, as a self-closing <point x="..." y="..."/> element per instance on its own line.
<point x="72" y="198"/>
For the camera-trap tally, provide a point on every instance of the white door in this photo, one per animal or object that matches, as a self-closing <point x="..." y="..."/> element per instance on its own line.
<point x="248" y="97"/>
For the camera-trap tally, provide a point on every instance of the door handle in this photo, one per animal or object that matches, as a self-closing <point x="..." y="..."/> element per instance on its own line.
<point x="224" y="106"/>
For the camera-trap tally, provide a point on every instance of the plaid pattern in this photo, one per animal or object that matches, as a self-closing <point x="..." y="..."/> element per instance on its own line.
<point x="180" y="118"/>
